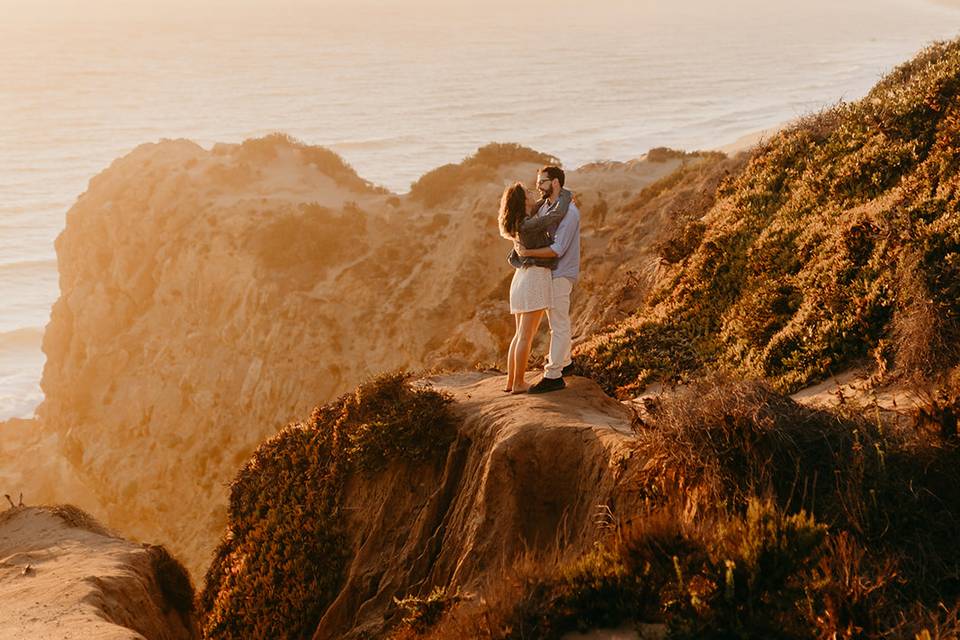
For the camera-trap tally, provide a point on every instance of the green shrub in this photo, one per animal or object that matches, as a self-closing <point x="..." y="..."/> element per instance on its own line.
<point x="841" y="232"/>
<point x="589" y="592"/>
<point x="419" y="614"/>
<point x="752" y="581"/>
<point x="677" y="248"/>
<point x="282" y="559"/>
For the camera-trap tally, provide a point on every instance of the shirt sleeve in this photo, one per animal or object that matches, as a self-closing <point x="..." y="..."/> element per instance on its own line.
<point x="567" y="231"/>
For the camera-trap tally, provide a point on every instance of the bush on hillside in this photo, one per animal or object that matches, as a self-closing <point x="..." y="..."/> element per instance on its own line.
<point x="263" y="150"/>
<point x="173" y="580"/>
<point x="664" y="154"/>
<point x="445" y="182"/>
<point x="282" y="559"/>
<point x="304" y="243"/>
<point x="841" y="232"/>
<point x="729" y="440"/>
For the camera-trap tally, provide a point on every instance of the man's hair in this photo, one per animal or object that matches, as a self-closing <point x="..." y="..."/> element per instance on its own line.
<point x="553" y="172"/>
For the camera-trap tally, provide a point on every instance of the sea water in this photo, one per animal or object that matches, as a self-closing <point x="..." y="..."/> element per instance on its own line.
<point x="397" y="88"/>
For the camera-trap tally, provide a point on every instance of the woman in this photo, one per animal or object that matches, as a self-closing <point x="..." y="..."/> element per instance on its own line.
<point x="532" y="285"/>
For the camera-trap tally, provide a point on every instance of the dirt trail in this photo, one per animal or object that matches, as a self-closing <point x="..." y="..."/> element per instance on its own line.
<point x="61" y="581"/>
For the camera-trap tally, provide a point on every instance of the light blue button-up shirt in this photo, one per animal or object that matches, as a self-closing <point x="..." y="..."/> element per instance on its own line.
<point x="566" y="243"/>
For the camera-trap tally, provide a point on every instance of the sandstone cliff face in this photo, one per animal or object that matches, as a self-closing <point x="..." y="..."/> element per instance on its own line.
<point x="208" y="297"/>
<point x="63" y="576"/>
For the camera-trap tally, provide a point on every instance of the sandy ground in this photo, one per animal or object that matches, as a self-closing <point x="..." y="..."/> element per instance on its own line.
<point x="59" y="581"/>
<point x="894" y="401"/>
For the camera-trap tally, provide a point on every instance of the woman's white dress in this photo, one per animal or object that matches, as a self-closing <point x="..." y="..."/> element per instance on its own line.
<point x="531" y="289"/>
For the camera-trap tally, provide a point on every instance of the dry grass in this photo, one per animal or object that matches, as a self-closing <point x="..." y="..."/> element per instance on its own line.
<point x="926" y="339"/>
<point x="763" y="519"/>
<point x="725" y="440"/>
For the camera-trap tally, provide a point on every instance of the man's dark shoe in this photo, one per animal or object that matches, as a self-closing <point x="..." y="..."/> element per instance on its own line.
<point x="567" y="370"/>
<point x="545" y="385"/>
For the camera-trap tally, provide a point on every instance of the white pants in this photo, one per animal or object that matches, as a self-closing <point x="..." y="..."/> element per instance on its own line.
<point x="558" y="315"/>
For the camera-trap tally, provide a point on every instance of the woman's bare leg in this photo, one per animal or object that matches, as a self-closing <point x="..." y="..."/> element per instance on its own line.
<point x="529" y="323"/>
<point x="511" y="352"/>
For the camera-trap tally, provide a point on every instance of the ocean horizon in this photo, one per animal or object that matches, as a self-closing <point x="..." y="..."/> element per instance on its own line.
<point x="85" y="85"/>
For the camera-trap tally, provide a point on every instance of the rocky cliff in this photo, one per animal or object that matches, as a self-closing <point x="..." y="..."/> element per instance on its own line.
<point x="210" y="296"/>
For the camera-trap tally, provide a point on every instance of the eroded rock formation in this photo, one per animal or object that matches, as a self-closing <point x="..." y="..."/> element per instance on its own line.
<point x="523" y="474"/>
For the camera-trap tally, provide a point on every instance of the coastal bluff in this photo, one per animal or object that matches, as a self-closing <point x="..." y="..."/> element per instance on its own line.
<point x="720" y="493"/>
<point x="210" y="296"/>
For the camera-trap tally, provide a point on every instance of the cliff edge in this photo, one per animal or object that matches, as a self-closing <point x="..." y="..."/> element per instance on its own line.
<point x="474" y="478"/>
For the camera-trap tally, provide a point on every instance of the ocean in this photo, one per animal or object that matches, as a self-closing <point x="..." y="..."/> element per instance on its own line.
<point x="397" y="88"/>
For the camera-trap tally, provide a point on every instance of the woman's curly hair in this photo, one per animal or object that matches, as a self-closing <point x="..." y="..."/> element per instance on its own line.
<point x="513" y="209"/>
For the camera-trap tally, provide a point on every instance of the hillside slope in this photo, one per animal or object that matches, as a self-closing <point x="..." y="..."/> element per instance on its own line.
<point x="838" y="241"/>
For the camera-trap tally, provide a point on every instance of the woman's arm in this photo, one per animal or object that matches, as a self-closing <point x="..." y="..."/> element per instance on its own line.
<point x="545" y="252"/>
<point x="536" y="223"/>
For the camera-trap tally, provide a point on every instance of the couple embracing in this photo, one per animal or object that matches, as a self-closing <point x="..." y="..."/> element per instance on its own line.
<point x="546" y="258"/>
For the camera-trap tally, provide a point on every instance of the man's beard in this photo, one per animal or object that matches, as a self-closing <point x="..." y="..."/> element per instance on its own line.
<point x="546" y="192"/>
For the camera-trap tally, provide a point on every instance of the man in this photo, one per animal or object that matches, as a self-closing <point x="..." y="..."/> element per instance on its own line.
<point x="566" y="249"/>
